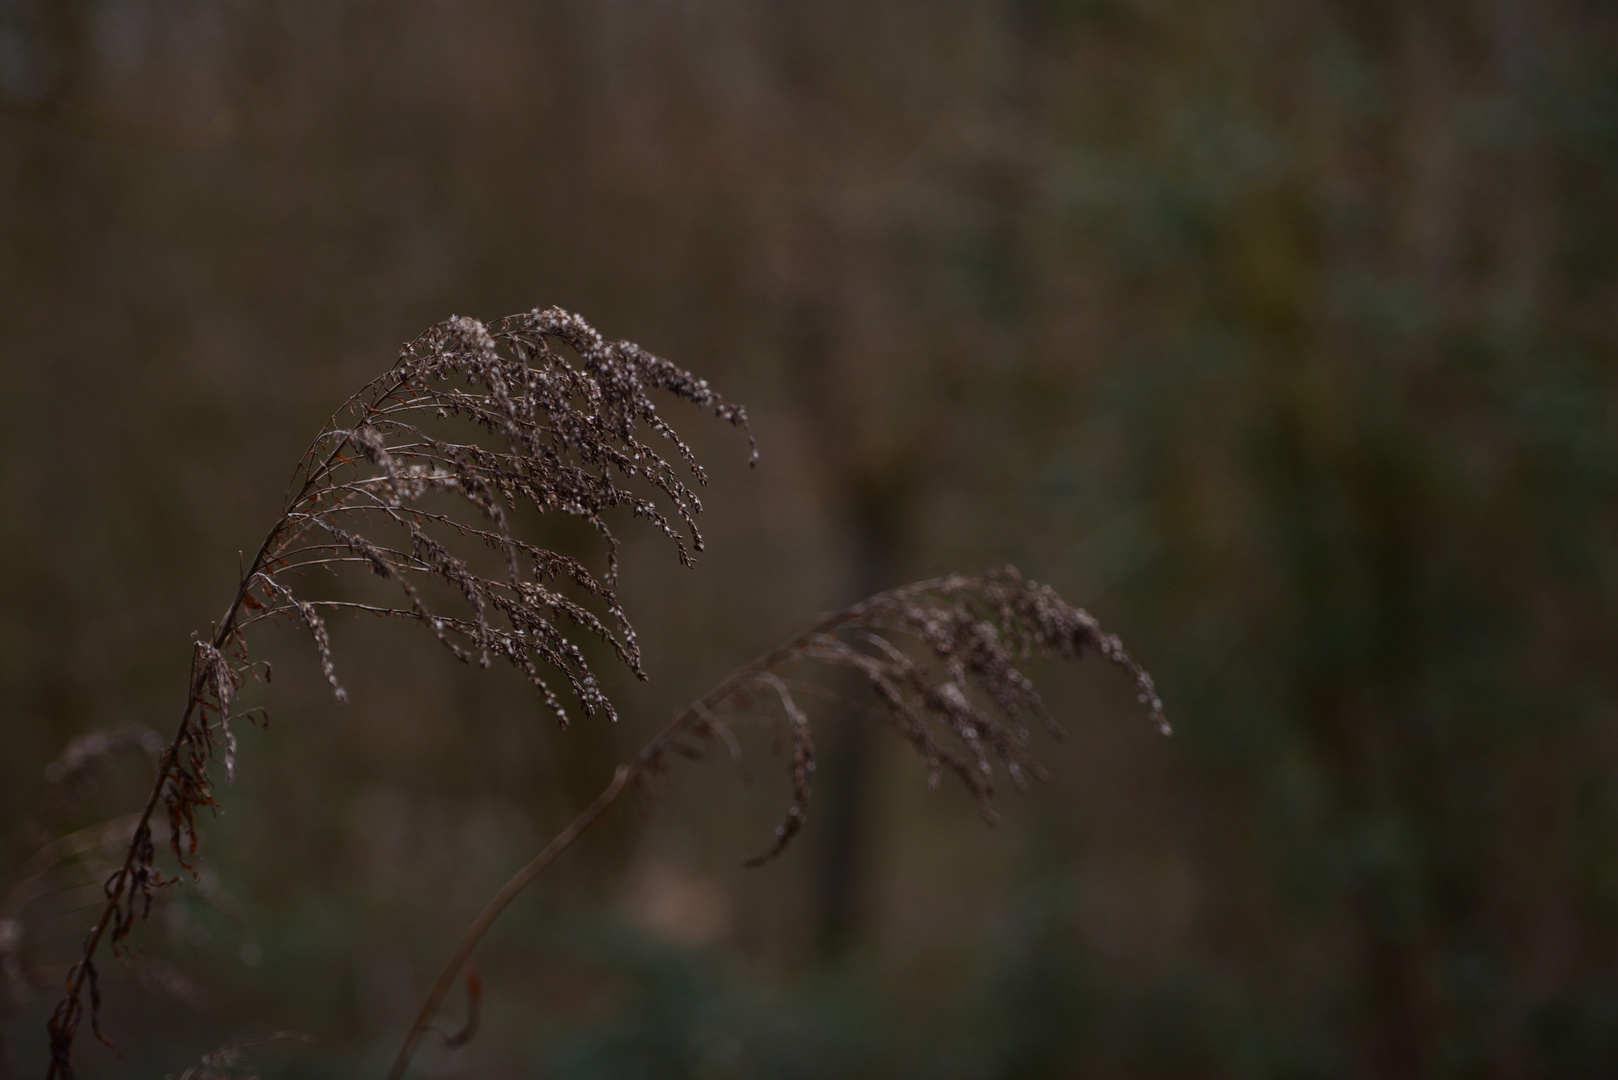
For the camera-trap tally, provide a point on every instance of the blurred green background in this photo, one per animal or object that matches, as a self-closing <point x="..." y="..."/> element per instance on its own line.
<point x="1280" y="335"/>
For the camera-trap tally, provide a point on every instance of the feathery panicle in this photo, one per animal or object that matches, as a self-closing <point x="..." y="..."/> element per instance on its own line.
<point x="492" y="420"/>
<point x="963" y="705"/>
<point x="969" y="710"/>
<point x="420" y="479"/>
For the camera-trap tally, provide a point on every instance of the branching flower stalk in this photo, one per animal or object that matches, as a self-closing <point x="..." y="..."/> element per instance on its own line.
<point x="419" y="479"/>
<point x="422" y="478"/>
<point x="970" y="633"/>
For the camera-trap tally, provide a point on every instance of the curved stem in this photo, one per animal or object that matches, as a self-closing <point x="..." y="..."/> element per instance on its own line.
<point x="501" y="900"/>
<point x="64" y="1020"/>
<point x="117" y="888"/>
<point x="621" y="778"/>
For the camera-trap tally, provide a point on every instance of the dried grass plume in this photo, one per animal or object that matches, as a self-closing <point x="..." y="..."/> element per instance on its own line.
<point x="421" y="479"/>
<point x="426" y="481"/>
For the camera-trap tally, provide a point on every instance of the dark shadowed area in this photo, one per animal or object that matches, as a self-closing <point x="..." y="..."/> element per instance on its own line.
<point x="1280" y="336"/>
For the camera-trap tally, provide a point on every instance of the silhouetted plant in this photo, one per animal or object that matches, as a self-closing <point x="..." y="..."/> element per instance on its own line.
<point x="421" y="480"/>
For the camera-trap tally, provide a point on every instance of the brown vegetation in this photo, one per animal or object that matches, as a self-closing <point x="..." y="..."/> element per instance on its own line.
<point x="422" y="478"/>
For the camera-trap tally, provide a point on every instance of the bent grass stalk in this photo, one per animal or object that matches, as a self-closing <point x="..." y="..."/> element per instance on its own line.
<point x="975" y="626"/>
<point x="417" y="479"/>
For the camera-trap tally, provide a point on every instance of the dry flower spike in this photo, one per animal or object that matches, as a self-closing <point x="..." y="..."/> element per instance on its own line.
<point x="419" y="479"/>
<point x="967" y="711"/>
<point x="976" y="630"/>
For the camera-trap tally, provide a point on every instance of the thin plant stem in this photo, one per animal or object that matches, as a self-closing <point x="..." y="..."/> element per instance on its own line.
<point x="551" y="433"/>
<point x="1069" y="627"/>
<point x="625" y="773"/>
<point x="497" y="904"/>
<point x="118" y="885"/>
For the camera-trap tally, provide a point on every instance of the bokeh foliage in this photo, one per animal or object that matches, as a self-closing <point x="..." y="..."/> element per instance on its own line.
<point x="1280" y="335"/>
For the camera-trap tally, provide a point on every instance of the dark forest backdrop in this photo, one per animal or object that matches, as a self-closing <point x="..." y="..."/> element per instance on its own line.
<point x="1281" y="335"/>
